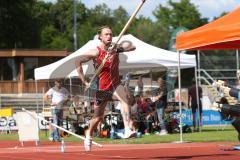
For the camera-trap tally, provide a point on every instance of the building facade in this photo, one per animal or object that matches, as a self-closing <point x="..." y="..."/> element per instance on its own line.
<point x="17" y="69"/>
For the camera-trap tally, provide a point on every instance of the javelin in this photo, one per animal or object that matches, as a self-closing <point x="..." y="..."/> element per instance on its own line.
<point x="63" y="129"/>
<point x="119" y="37"/>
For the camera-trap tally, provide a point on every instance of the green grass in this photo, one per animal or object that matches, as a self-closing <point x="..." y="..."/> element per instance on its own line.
<point x="208" y="134"/>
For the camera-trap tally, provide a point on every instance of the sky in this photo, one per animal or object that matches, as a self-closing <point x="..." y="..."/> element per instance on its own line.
<point x="207" y="8"/>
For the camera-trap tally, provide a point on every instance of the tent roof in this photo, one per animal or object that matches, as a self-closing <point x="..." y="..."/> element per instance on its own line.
<point x="145" y="57"/>
<point x="223" y="33"/>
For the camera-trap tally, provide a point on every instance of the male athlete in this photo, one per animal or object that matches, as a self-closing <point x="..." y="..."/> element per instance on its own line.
<point x="109" y="81"/>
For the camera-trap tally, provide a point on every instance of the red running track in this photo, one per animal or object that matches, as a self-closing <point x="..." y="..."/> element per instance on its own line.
<point x="12" y="150"/>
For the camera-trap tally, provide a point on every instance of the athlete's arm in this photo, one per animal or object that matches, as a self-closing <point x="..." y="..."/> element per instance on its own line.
<point x="129" y="48"/>
<point x="125" y="46"/>
<point x="82" y="59"/>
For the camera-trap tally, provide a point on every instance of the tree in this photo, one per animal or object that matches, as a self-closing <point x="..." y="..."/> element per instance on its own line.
<point x="18" y="28"/>
<point x="57" y="32"/>
<point x="120" y="17"/>
<point x="174" y="15"/>
<point x="144" y="29"/>
<point x="221" y="15"/>
<point x="177" y="14"/>
<point x="101" y="15"/>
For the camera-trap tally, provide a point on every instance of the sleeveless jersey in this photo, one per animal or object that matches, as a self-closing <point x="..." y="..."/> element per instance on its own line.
<point x="109" y="76"/>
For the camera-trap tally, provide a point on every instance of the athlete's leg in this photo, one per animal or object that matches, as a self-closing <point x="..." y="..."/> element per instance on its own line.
<point x="121" y="94"/>
<point x="98" y="116"/>
<point x="194" y="120"/>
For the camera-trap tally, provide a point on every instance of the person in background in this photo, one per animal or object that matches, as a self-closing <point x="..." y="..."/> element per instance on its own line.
<point x="193" y="102"/>
<point x="139" y="86"/>
<point x="75" y="112"/>
<point x="139" y="115"/>
<point x="149" y="116"/>
<point x="161" y="104"/>
<point x="127" y="80"/>
<point x="56" y="97"/>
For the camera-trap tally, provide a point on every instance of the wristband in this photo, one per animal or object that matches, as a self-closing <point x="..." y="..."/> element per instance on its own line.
<point x="120" y="49"/>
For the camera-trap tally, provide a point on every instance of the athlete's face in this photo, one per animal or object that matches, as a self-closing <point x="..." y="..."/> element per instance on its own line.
<point x="106" y="36"/>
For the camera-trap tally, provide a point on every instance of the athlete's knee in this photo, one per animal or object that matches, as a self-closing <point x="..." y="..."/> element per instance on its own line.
<point x="128" y="100"/>
<point x="131" y="100"/>
<point x="97" y="118"/>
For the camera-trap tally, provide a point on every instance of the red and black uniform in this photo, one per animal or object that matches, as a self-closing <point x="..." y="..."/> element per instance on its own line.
<point x="108" y="77"/>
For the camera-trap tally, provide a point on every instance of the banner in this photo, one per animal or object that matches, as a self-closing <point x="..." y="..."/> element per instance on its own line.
<point x="209" y="117"/>
<point x="10" y="123"/>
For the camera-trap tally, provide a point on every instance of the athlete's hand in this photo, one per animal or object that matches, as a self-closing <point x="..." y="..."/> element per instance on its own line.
<point x="112" y="48"/>
<point x="87" y="85"/>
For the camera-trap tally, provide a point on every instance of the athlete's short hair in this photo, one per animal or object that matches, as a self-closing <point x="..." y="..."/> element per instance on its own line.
<point x="101" y="28"/>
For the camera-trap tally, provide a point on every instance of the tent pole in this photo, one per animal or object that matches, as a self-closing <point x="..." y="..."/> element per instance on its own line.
<point x="198" y="83"/>
<point x="70" y="80"/>
<point x="43" y="106"/>
<point x="36" y="87"/>
<point x="237" y="59"/>
<point x="180" y="99"/>
<point x="151" y="76"/>
<point x="198" y="66"/>
<point x="43" y="102"/>
<point x="0" y="97"/>
<point x="198" y="103"/>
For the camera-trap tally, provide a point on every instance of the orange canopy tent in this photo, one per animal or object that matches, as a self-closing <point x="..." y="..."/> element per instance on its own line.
<point x="223" y="33"/>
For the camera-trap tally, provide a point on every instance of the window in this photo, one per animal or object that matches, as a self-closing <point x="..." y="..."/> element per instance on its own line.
<point x="8" y="69"/>
<point x="29" y="65"/>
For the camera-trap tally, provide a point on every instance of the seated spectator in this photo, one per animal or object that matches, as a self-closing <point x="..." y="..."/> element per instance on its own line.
<point x="76" y="110"/>
<point x="149" y="116"/>
<point x="139" y="117"/>
<point x="144" y="115"/>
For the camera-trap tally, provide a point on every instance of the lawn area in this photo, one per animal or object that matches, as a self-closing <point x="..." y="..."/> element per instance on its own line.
<point x="208" y="134"/>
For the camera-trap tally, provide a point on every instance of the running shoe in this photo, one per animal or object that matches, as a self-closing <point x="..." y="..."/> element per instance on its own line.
<point x="163" y="132"/>
<point x="129" y="134"/>
<point x="88" y="144"/>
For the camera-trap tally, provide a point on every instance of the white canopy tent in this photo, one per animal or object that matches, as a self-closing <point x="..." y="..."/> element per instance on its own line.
<point x="145" y="57"/>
